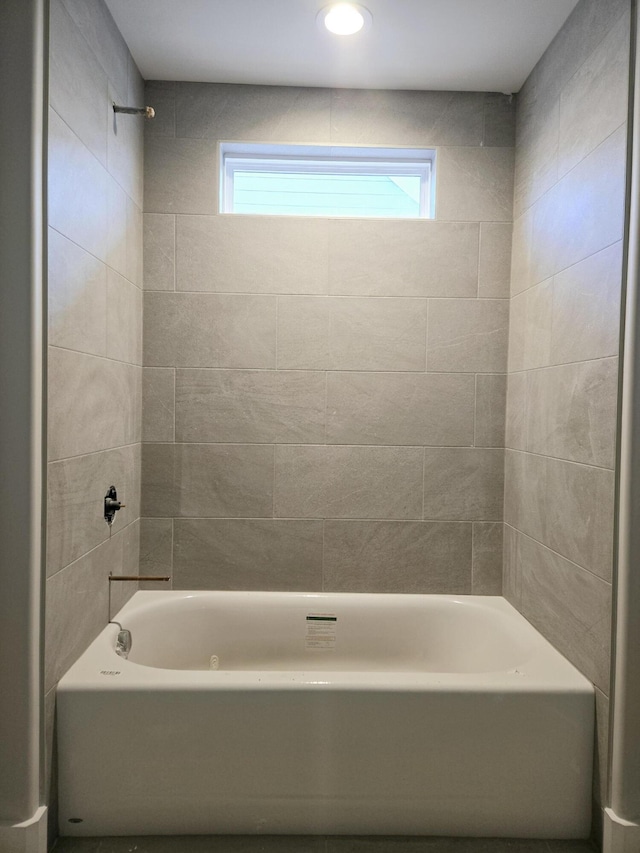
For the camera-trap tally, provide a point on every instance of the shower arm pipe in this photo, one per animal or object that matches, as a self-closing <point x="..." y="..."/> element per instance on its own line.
<point x="147" y="112"/>
<point x="622" y="816"/>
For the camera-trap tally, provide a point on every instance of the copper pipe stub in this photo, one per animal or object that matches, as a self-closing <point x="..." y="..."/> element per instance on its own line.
<point x="139" y="578"/>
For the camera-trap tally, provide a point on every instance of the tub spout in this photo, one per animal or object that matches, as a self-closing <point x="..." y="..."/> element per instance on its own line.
<point x="124" y="643"/>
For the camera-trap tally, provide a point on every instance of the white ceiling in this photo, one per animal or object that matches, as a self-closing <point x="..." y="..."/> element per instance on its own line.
<point x="476" y="45"/>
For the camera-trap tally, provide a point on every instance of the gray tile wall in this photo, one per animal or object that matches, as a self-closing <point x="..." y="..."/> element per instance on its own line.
<point x="324" y="399"/>
<point x="95" y="332"/>
<point x="563" y="342"/>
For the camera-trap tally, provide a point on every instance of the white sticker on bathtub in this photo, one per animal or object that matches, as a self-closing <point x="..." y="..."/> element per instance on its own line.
<point x="321" y="632"/>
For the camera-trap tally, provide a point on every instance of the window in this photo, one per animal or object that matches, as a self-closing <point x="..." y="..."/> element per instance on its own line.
<point x="326" y="181"/>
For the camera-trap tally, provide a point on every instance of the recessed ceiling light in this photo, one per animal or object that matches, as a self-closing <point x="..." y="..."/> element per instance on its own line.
<point x="344" y="19"/>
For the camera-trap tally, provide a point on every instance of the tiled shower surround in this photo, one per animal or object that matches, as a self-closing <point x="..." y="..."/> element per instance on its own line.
<point x="564" y="339"/>
<point x="324" y="398"/>
<point x="95" y="333"/>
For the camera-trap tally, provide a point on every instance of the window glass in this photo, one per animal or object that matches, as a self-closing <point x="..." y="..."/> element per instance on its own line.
<point x="316" y="181"/>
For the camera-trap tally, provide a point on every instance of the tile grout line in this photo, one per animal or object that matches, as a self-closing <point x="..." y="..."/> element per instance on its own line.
<point x="558" y="554"/>
<point x="475" y="411"/>
<point x="173" y="545"/>
<point x="426" y="338"/>
<point x="91" y="550"/>
<point x="473" y="554"/>
<point x="557" y="459"/>
<point x="424" y="475"/>
<point x="323" y="579"/>
<point x="363" y="297"/>
<point x="273" y="485"/>
<point x="175" y="403"/>
<point x="478" y="259"/>
<point x="175" y="253"/>
<point x="524" y="211"/>
<point x="276" y="359"/>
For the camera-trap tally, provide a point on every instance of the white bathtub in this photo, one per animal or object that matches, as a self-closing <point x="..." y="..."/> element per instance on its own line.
<point x="380" y="714"/>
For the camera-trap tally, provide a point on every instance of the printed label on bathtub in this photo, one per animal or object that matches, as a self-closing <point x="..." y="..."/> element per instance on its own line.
<point x="321" y="632"/>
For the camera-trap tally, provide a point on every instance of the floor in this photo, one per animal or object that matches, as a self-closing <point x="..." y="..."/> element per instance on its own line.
<point x="314" y="844"/>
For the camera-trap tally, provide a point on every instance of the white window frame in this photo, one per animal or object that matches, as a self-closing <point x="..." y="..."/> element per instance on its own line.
<point x="328" y="160"/>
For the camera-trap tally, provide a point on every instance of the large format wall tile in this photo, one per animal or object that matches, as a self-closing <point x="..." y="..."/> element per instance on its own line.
<point x="584" y="30"/>
<point x="595" y="188"/>
<point x="376" y="117"/>
<point x="117" y="230"/>
<point x="495" y="260"/>
<point x="402" y="258"/>
<point x="94" y="403"/>
<point x="77" y="82"/>
<point x="525" y="493"/>
<point x="249" y="554"/>
<point x="252" y="113"/>
<point x="469" y="335"/>
<point x="156" y="551"/>
<point x="463" y="484"/>
<point x="135" y="228"/>
<point x="159" y="251"/>
<point x="486" y="576"/>
<point x="397" y="556"/>
<point x="125" y="145"/>
<point x="77" y="603"/>
<point x="516" y="412"/>
<point x="285" y="406"/>
<point x="572" y="411"/>
<point x="522" y="271"/>
<point x="530" y="327"/>
<point x="77" y="297"/>
<point x="161" y="94"/>
<point x="252" y="254"/>
<point x="129" y="565"/>
<point x="94" y="21"/>
<point x="124" y="319"/>
<point x="586" y="308"/>
<point x="209" y="330"/>
<point x="351" y="334"/>
<point x="564" y="505"/>
<point x="400" y="408"/>
<point x="491" y="393"/>
<point x="180" y="175"/>
<point x="536" y="163"/>
<point x="499" y="120"/>
<point x="474" y="184"/>
<point x="348" y="482"/>
<point x="570" y="606"/>
<point x="594" y="102"/>
<point x="511" y="566"/>
<point x="158" y="404"/>
<point x="75" y="504"/>
<point x="579" y="506"/>
<point x="207" y="480"/>
<point x="77" y="190"/>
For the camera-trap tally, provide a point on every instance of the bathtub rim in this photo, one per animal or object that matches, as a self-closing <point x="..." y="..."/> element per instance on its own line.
<point x="100" y="668"/>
